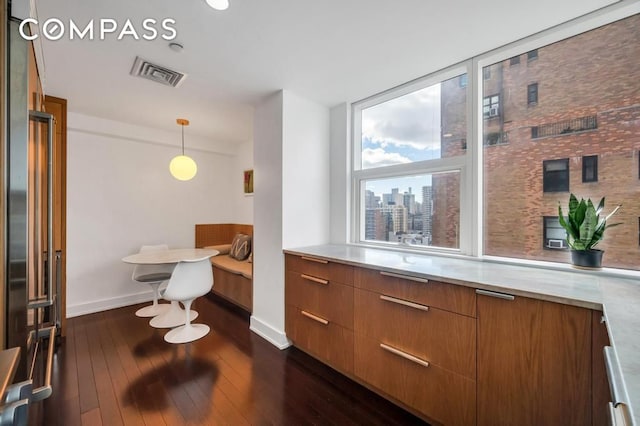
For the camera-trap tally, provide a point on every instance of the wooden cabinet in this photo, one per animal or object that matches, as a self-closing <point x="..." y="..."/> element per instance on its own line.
<point x="534" y="362"/>
<point x="443" y="338"/>
<point x="319" y="309"/>
<point x="454" y="298"/>
<point x="422" y="356"/>
<point x="446" y="353"/>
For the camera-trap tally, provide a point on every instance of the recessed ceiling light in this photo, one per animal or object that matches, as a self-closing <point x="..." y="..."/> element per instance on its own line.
<point x="176" y="47"/>
<point x="218" y="4"/>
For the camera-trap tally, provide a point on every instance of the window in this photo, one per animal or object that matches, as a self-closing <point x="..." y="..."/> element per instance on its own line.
<point x="420" y="210"/>
<point x="556" y="175"/>
<point x="486" y="73"/>
<point x="491" y="106"/>
<point x="590" y="168"/>
<point x="567" y="124"/>
<point x="532" y="94"/>
<point x="554" y="236"/>
<point x="514" y="60"/>
<point x="408" y="169"/>
<point x="418" y="136"/>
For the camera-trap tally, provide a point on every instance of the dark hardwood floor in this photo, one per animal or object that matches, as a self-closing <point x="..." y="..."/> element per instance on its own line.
<point x="114" y="369"/>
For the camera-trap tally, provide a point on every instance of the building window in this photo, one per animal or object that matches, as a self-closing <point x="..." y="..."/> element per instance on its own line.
<point x="532" y="94"/>
<point x="532" y="54"/>
<point x="406" y="193"/>
<point x="486" y="73"/>
<point x="514" y="60"/>
<point x="491" y="106"/>
<point x="556" y="175"/>
<point x="553" y="235"/>
<point x="590" y="168"/>
<point x="463" y="80"/>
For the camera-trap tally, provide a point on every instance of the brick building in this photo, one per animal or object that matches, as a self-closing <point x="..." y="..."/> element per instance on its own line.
<point x="563" y="118"/>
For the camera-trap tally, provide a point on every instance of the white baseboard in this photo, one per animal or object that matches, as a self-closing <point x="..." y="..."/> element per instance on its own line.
<point x="276" y="337"/>
<point x="106" y="304"/>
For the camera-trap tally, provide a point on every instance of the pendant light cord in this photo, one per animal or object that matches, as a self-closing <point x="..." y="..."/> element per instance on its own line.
<point x="182" y="125"/>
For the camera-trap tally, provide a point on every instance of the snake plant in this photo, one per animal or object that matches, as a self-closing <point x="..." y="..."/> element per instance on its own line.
<point x="584" y="227"/>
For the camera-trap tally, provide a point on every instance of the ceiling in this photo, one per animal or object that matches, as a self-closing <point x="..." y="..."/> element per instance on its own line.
<point x="329" y="51"/>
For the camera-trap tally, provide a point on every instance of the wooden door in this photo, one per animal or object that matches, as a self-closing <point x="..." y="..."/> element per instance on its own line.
<point x="58" y="108"/>
<point x="534" y="362"/>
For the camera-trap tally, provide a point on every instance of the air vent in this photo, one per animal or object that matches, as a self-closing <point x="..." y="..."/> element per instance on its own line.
<point x="157" y="73"/>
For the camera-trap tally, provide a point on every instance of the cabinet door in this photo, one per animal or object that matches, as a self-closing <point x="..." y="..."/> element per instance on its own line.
<point x="534" y="363"/>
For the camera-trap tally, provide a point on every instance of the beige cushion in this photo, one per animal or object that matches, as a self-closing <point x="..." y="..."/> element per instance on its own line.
<point x="232" y="265"/>
<point x="240" y="247"/>
<point x="222" y="248"/>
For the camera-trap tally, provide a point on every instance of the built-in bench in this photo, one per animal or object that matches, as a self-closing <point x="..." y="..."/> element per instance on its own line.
<point x="232" y="279"/>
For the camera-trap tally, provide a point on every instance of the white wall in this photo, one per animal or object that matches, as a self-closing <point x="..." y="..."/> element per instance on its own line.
<point x="267" y="318"/>
<point x="340" y="173"/>
<point x="305" y="172"/>
<point x="120" y="196"/>
<point x="244" y="203"/>
<point x="291" y="156"/>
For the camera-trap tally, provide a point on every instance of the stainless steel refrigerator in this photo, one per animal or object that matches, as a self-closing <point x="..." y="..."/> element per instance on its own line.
<point x="32" y="265"/>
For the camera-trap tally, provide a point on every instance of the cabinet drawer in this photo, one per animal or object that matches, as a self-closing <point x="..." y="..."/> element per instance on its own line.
<point x="443" y="338"/>
<point x="325" y="298"/>
<point x="450" y="297"/>
<point x="330" y="343"/>
<point x="319" y="268"/>
<point x="440" y="395"/>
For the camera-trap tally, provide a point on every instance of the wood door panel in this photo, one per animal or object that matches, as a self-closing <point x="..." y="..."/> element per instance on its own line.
<point x="330" y="343"/>
<point x="600" y="387"/>
<point x="439" y="394"/>
<point x="450" y="297"/>
<point x="533" y="363"/>
<point x="332" y="301"/>
<point x="320" y="268"/>
<point x="443" y="338"/>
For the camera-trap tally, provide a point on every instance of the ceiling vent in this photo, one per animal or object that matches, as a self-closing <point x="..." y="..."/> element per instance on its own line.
<point x="157" y="73"/>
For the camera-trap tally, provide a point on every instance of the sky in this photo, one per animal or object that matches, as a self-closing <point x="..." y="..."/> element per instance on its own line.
<point x="402" y="130"/>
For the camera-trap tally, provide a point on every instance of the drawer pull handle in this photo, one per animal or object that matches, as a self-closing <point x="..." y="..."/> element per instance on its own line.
<point x="313" y="259"/>
<point x="404" y="277"/>
<point x="404" y="303"/>
<point x="315" y="318"/>
<point x="494" y="294"/>
<point x="314" y="279"/>
<point x="404" y="355"/>
<point x="614" y="375"/>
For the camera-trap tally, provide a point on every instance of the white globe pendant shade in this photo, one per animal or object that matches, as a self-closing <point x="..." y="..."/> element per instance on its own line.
<point x="183" y="167"/>
<point x="218" y="4"/>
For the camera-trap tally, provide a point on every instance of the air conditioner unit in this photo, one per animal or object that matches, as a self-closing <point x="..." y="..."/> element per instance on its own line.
<point x="556" y="244"/>
<point x="493" y="111"/>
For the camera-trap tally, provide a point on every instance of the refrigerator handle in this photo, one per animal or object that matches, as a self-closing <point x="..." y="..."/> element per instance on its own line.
<point x="47" y="118"/>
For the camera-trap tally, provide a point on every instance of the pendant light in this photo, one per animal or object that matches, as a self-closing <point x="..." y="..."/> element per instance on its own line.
<point x="183" y="167"/>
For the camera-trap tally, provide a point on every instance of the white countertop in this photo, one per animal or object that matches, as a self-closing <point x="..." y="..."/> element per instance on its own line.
<point x="157" y="257"/>
<point x="619" y="298"/>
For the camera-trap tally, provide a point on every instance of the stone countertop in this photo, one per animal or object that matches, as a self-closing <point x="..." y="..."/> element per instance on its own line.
<point x="619" y="298"/>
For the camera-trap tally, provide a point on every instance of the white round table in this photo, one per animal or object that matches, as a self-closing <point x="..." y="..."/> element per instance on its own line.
<point x="158" y="257"/>
<point x="175" y="316"/>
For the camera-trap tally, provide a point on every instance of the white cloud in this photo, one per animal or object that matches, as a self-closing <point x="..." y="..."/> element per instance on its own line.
<point x="411" y="120"/>
<point x="377" y="157"/>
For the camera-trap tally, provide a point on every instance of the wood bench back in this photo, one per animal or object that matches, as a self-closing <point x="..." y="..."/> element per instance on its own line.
<point x="211" y="234"/>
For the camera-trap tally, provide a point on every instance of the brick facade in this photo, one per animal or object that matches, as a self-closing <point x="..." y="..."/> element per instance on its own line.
<point x="595" y="74"/>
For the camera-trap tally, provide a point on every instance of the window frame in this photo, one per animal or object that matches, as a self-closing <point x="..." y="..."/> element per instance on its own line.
<point x="545" y="239"/>
<point x="472" y="179"/>
<point x="530" y="92"/>
<point x="547" y="183"/>
<point x="584" y="168"/>
<point x="461" y="163"/>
